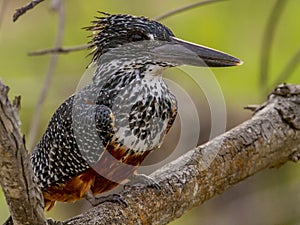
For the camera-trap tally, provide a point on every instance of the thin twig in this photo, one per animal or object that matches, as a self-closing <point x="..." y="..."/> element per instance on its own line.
<point x="185" y="8"/>
<point x="36" y="117"/>
<point x="59" y="50"/>
<point x="289" y="69"/>
<point x="267" y="42"/>
<point x="19" y="12"/>
<point x="2" y="10"/>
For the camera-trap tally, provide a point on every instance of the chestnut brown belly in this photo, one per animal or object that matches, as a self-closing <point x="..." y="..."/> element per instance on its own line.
<point x="114" y="166"/>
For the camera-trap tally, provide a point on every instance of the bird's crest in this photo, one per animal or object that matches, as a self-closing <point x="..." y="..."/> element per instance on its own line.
<point x="113" y="30"/>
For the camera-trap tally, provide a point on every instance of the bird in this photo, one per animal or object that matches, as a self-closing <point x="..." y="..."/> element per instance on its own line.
<point x="98" y="137"/>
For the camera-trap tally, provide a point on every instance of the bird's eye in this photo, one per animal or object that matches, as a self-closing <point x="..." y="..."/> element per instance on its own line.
<point x="137" y="37"/>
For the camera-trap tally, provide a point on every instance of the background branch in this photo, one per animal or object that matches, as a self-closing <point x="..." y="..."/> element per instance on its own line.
<point x="185" y="8"/>
<point x="19" y="12"/>
<point x="16" y="176"/>
<point x="59" y="8"/>
<point x="59" y="50"/>
<point x="269" y="139"/>
<point x="267" y="41"/>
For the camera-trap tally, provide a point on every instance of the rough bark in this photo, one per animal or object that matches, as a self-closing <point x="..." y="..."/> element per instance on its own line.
<point x="16" y="176"/>
<point x="269" y="139"/>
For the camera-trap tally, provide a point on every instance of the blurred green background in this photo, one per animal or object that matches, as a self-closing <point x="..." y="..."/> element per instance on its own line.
<point x="233" y="26"/>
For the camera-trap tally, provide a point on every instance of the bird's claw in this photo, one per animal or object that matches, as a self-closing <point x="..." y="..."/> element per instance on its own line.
<point x="142" y="180"/>
<point x="109" y="198"/>
<point x="53" y="222"/>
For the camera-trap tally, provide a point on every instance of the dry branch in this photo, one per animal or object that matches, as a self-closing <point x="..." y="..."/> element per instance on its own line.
<point x="19" y="12"/>
<point x="16" y="176"/>
<point x="59" y="50"/>
<point x="269" y="139"/>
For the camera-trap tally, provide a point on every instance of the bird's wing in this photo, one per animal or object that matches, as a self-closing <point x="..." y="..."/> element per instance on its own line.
<point x="75" y="139"/>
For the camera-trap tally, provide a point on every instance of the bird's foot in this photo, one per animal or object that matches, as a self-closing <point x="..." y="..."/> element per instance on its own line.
<point x="9" y="221"/>
<point x="53" y="222"/>
<point x="142" y="180"/>
<point x="109" y="198"/>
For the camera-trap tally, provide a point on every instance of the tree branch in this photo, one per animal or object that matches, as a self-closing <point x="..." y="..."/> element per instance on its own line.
<point x="269" y="139"/>
<point x="59" y="8"/>
<point x="16" y="176"/>
<point x="185" y="8"/>
<point x="19" y="12"/>
<point x="59" y="50"/>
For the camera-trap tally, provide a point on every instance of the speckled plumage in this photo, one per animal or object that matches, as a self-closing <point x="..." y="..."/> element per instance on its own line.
<point x="128" y="103"/>
<point x="98" y="136"/>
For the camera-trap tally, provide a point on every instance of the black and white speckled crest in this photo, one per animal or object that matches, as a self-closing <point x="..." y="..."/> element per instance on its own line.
<point x="111" y="31"/>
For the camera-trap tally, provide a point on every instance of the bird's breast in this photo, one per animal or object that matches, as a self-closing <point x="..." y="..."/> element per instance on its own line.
<point x="142" y="113"/>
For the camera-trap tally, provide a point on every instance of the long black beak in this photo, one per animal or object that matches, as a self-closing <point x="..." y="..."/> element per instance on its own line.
<point x="211" y="57"/>
<point x="182" y="52"/>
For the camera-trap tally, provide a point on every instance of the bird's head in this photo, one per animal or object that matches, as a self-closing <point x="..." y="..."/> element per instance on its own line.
<point x="151" y="40"/>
